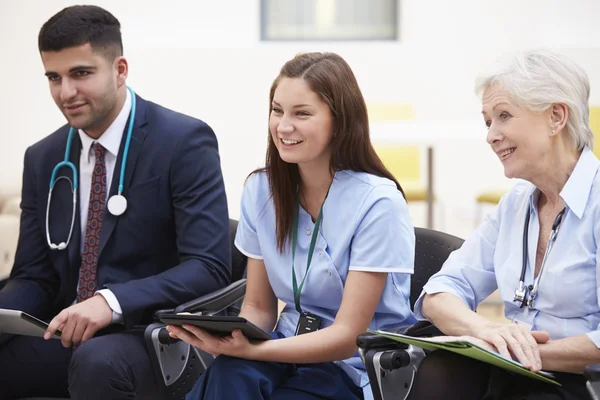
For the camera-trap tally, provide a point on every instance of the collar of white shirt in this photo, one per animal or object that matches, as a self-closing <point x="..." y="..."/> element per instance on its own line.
<point x="111" y="138"/>
<point x="576" y="191"/>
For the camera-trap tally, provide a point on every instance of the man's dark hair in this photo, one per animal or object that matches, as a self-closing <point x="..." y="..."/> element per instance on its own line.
<point x="78" y="25"/>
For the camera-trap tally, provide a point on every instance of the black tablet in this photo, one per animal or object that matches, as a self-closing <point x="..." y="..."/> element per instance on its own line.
<point x="217" y="325"/>
<point x="20" y="323"/>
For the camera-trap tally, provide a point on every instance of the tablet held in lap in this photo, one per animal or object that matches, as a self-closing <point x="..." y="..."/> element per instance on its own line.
<point x="217" y="325"/>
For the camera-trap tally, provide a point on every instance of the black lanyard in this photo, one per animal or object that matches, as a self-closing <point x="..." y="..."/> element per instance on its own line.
<point x="311" y="250"/>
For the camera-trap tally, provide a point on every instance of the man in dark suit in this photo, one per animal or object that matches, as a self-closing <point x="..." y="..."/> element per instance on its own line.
<point x="169" y="246"/>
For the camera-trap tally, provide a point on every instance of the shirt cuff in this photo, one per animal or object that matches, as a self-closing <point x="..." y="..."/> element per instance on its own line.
<point x="418" y="304"/>
<point x="432" y="288"/>
<point x="113" y="303"/>
<point x="247" y="253"/>
<point x="402" y="270"/>
<point x="595" y="337"/>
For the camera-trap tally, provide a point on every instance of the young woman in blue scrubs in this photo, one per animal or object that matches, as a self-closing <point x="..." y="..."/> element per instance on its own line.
<point x="326" y="230"/>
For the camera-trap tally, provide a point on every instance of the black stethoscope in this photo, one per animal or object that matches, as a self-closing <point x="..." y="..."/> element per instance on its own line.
<point x="116" y="204"/>
<point x="521" y="292"/>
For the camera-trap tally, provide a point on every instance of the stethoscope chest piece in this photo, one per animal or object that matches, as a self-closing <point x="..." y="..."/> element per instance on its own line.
<point x="117" y="205"/>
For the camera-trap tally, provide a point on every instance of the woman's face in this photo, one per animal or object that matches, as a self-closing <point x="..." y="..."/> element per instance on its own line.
<point x="520" y="138"/>
<point x="300" y="123"/>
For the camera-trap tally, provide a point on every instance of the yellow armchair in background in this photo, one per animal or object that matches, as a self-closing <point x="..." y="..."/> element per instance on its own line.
<point x="390" y="112"/>
<point x="491" y="197"/>
<point x="404" y="161"/>
<point x="595" y="125"/>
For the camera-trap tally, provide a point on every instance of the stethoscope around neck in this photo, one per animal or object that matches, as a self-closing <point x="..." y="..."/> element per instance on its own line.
<point x="116" y="204"/>
<point x="521" y="293"/>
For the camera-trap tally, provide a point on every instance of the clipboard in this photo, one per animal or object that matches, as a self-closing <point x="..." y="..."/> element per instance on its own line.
<point x="217" y="325"/>
<point x="469" y="349"/>
<point x="20" y="323"/>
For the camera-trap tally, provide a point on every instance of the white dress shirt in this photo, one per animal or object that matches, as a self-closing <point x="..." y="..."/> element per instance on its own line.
<point x="111" y="141"/>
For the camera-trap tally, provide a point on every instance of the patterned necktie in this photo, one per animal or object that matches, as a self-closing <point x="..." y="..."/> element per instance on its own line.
<point x="89" y="256"/>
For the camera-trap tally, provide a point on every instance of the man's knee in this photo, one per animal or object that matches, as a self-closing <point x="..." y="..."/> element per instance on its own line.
<point x="114" y="366"/>
<point x="97" y="365"/>
<point x="31" y="366"/>
<point x="92" y="358"/>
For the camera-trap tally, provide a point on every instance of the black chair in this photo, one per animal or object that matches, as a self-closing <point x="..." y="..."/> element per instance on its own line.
<point x="592" y="375"/>
<point x="391" y="366"/>
<point x="176" y="364"/>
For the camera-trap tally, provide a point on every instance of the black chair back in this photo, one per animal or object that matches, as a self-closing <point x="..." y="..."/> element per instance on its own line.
<point x="431" y="251"/>
<point x="238" y="260"/>
<point x="238" y="266"/>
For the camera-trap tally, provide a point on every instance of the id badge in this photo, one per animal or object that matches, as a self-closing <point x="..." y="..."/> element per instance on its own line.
<point x="308" y="323"/>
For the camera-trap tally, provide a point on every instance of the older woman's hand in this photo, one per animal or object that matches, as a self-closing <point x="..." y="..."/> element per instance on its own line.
<point x="515" y="341"/>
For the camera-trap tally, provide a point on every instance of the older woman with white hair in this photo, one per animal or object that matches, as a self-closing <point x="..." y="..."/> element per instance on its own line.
<point x="539" y="247"/>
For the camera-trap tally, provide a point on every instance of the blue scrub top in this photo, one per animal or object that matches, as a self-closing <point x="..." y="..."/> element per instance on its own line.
<point x="365" y="227"/>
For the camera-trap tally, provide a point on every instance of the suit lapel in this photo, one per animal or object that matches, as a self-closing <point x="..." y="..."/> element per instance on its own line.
<point x="137" y="139"/>
<point x="74" y="247"/>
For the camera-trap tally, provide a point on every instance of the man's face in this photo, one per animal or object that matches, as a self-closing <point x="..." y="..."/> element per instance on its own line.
<point x="84" y="85"/>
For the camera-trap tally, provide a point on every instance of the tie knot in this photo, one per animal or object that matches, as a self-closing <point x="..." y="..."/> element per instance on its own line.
<point x="98" y="151"/>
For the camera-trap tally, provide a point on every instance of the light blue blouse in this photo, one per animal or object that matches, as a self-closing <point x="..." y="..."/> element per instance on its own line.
<point x="365" y="227"/>
<point x="491" y="258"/>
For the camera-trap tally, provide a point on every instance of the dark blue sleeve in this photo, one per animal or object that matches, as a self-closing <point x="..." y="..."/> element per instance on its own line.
<point x="33" y="284"/>
<point x="202" y="229"/>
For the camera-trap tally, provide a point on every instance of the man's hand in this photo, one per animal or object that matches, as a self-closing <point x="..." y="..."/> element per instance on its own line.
<point x="81" y="321"/>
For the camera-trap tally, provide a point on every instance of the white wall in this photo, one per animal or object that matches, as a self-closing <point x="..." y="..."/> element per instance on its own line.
<point x="204" y="58"/>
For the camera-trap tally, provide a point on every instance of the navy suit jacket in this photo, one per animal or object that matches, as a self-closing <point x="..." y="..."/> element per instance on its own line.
<point x="170" y="246"/>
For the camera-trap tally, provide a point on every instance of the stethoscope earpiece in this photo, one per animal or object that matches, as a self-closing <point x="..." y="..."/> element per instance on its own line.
<point x="60" y="246"/>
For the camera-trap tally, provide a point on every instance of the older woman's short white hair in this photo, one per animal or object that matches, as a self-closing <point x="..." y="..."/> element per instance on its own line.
<point x="539" y="78"/>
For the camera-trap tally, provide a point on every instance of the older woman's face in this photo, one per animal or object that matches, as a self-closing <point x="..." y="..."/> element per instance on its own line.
<point x="519" y="137"/>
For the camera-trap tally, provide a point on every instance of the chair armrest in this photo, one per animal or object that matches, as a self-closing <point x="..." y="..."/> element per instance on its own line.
<point x="176" y="364"/>
<point x="420" y="329"/>
<point x="373" y="341"/>
<point x="211" y="303"/>
<point x="592" y="372"/>
<point x="423" y="329"/>
<point x="369" y="341"/>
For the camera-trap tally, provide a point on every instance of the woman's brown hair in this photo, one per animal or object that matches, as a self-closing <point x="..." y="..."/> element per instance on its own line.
<point x="329" y="76"/>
